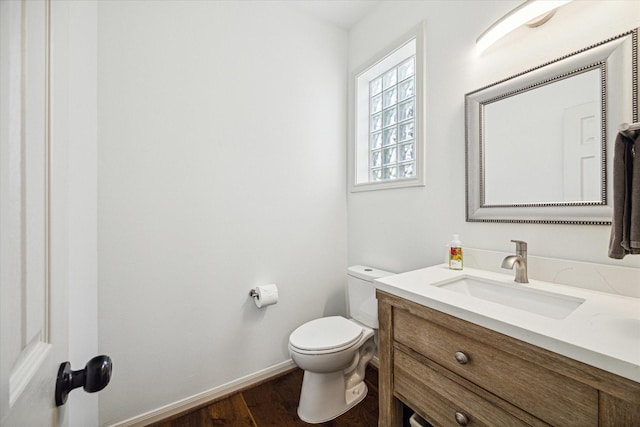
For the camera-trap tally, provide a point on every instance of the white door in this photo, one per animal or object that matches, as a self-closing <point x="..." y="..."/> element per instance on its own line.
<point x="582" y="150"/>
<point x="36" y="246"/>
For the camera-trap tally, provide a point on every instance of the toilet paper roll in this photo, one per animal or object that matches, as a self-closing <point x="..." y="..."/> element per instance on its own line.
<point x="266" y="295"/>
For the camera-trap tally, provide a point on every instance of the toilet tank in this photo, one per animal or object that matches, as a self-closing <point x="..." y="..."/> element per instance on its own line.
<point x="361" y="294"/>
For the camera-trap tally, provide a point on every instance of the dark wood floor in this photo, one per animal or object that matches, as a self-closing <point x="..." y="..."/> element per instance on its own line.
<point x="275" y="403"/>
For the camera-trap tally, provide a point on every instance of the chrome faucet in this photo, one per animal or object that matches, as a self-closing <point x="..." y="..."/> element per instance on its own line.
<point x="520" y="261"/>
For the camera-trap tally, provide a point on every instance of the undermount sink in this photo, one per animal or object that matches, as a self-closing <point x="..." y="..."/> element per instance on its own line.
<point x="555" y="306"/>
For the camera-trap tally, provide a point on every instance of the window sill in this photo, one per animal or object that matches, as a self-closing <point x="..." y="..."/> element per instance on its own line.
<point x="386" y="185"/>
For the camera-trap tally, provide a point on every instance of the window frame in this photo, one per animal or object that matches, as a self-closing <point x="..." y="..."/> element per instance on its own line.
<point x="359" y="136"/>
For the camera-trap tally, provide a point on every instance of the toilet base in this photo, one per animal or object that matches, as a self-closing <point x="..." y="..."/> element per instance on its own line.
<point x="323" y="396"/>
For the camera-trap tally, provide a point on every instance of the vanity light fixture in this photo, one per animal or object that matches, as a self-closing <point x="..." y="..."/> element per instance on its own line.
<point x="527" y="12"/>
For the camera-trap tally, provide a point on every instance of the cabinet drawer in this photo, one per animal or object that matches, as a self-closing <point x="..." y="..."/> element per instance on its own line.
<point x="556" y="399"/>
<point x="439" y="399"/>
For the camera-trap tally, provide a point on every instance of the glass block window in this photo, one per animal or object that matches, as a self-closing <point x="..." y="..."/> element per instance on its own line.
<point x="387" y="146"/>
<point x="392" y="123"/>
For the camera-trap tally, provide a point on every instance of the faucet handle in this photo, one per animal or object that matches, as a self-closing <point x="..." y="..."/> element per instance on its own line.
<point x="521" y="247"/>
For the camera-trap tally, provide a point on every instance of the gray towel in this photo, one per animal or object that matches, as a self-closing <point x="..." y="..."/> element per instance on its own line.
<point x="625" y="224"/>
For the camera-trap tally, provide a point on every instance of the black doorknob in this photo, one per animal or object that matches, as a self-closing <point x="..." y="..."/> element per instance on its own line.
<point x="94" y="377"/>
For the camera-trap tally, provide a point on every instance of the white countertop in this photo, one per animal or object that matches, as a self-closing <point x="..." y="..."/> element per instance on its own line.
<point x="604" y="331"/>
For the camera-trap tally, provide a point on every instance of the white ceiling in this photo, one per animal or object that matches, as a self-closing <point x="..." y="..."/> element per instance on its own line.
<point x="343" y="13"/>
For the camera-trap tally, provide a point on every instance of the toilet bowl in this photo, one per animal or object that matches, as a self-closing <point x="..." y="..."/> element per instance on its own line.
<point x="334" y="352"/>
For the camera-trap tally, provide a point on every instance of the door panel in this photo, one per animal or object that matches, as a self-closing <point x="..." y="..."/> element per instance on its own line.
<point x="33" y="254"/>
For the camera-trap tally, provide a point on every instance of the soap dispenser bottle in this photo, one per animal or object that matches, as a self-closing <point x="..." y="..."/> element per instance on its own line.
<point x="455" y="253"/>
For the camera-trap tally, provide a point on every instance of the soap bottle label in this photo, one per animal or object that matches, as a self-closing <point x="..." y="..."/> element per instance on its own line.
<point x="455" y="258"/>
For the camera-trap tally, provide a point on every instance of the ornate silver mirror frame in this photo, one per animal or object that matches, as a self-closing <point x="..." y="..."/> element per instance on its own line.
<point x="494" y="167"/>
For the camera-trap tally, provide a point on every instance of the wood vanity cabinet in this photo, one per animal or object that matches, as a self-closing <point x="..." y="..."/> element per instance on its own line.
<point x="453" y="372"/>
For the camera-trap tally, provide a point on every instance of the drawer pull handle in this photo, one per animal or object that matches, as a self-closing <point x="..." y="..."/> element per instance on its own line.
<point x="462" y="418"/>
<point x="461" y="358"/>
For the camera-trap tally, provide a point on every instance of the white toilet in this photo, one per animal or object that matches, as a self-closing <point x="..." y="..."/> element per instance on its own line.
<point x="334" y="351"/>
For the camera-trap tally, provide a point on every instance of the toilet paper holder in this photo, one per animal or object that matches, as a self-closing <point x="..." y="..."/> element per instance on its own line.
<point x="264" y="295"/>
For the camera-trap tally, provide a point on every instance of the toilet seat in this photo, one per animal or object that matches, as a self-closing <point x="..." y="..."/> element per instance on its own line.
<point x="325" y="335"/>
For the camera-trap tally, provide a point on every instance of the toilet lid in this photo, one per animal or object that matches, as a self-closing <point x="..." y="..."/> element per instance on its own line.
<point x="326" y="333"/>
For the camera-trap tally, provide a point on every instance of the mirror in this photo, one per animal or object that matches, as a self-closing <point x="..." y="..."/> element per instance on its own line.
<point x="538" y="144"/>
<point x="567" y="143"/>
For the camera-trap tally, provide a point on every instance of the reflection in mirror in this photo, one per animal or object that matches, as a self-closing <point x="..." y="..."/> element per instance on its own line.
<point x="538" y="144"/>
<point x="560" y="143"/>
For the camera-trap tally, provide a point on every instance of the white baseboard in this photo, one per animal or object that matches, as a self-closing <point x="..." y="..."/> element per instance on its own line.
<point x="206" y="396"/>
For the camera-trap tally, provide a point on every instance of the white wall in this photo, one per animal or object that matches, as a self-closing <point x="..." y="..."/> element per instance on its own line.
<point x="406" y="229"/>
<point x="221" y="166"/>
